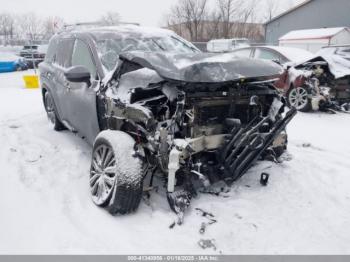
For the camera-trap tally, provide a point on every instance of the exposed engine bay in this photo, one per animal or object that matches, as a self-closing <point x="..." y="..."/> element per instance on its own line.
<point x="193" y="131"/>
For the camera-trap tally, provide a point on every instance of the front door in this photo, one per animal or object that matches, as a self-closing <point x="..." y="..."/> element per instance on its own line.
<point x="81" y="97"/>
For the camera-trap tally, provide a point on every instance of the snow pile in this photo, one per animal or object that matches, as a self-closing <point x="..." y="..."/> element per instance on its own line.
<point x="8" y="57"/>
<point x="339" y="65"/>
<point x="46" y="206"/>
<point x="312" y="33"/>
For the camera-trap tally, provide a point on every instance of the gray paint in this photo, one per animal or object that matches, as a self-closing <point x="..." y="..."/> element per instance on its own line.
<point x="315" y="14"/>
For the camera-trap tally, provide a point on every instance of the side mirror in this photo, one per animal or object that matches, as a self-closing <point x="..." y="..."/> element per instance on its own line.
<point x="78" y="74"/>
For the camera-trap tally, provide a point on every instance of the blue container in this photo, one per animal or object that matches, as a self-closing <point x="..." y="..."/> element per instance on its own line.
<point x="8" y="66"/>
<point x="10" y="62"/>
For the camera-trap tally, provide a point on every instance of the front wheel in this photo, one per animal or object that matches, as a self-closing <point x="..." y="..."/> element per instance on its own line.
<point x="116" y="173"/>
<point x="298" y="97"/>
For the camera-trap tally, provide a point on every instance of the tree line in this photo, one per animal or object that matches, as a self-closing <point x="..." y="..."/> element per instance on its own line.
<point x="32" y="27"/>
<point x="202" y="20"/>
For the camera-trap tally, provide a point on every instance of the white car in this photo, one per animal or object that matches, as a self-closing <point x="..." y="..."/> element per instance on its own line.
<point x="226" y="45"/>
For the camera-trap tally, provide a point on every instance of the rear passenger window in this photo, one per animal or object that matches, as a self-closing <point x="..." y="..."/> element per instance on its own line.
<point x="51" y="51"/>
<point x="82" y="57"/>
<point x="242" y="53"/>
<point x="64" y="52"/>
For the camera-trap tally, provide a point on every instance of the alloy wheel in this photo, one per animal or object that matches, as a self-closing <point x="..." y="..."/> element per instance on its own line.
<point x="102" y="174"/>
<point x="298" y="98"/>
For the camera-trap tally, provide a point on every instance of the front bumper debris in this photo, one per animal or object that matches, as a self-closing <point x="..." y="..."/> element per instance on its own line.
<point x="249" y="143"/>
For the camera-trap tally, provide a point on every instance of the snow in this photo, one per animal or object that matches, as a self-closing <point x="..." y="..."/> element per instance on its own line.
<point x="123" y="147"/>
<point x="312" y="33"/>
<point x="339" y="65"/>
<point x="8" y="57"/>
<point x="46" y="206"/>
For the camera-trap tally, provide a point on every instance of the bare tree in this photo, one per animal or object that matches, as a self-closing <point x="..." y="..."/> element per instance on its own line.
<point x="230" y="12"/>
<point x="272" y="7"/>
<point x="7" y="26"/>
<point x="30" y="26"/>
<point x="110" y="18"/>
<point x="213" y="26"/>
<point x="190" y="13"/>
<point x="246" y="18"/>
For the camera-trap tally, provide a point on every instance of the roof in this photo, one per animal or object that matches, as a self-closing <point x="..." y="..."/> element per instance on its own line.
<point x="321" y="33"/>
<point x="125" y="29"/>
<point x="289" y="11"/>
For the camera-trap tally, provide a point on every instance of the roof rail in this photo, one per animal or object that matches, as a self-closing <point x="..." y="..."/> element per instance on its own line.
<point x="68" y="27"/>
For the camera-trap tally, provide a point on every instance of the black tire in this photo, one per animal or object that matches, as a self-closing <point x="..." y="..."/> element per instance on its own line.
<point x="303" y="104"/>
<point x="125" y="195"/>
<point x="51" y="112"/>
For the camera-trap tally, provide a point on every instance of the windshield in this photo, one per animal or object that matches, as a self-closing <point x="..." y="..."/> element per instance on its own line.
<point x="109" y="49"/>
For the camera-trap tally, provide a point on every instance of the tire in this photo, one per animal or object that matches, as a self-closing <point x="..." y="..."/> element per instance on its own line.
<point x="116" y="173"/>
<point x="298" y="97"/>
<point x="51" y="112"/>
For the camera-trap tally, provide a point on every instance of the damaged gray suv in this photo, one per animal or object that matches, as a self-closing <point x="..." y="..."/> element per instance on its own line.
<point x="152" y="104"/>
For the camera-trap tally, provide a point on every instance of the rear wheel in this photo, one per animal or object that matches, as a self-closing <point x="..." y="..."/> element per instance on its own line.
<point x="116" y="173"/>
<point x="298" y="97"/>
<point x="51" y="112"/>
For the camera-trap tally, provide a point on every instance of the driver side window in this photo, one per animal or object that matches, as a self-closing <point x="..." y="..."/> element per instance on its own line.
<point x="82" y="57"/>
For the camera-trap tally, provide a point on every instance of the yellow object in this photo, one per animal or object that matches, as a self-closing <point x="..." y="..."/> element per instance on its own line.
<point x="31" y="81"/>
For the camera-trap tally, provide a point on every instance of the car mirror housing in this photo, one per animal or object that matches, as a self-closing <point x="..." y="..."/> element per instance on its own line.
<point x="78" y="74"/>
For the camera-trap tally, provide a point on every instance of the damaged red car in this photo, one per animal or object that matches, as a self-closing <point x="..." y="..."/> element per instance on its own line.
<point x="322" y="82"/>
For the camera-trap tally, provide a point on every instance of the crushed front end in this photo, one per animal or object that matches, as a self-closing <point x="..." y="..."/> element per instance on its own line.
<point x="219" y="135"/>
<point x="194" y="134"/>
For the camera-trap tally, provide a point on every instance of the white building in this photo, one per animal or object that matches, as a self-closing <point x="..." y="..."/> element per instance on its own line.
<point x="314" y="39"/>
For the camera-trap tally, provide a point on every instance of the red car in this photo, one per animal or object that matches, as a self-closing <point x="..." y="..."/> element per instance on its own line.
<point x="310" y="82"/>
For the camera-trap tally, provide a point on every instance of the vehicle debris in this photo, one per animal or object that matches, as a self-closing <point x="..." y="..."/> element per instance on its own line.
<point x="204" y="213"/>
<point x="207" y="243"/>
<point x="264" y="179"/>
<point x="322" y="82"/>
<point x="209" y="216"/>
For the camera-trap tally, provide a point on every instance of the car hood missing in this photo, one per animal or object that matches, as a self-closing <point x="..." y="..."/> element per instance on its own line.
<point x="204" y="67"/>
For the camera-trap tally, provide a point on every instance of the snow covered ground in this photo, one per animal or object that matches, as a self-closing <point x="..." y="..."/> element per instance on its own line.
<point x="45" y="205"/>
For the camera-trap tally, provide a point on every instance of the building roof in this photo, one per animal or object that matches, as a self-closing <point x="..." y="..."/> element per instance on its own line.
<point x="321" y="33"/>
<point x="289" y="11"/>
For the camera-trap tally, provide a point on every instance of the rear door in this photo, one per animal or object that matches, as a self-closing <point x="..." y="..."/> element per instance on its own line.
<point x="81" y="97"/>
<point x="61" y="61"/>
